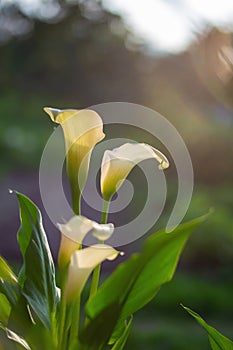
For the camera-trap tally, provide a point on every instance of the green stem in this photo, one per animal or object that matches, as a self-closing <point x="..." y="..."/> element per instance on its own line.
<point x="74" y="329"/>
<point x="66" y="327"/>
<point x="79" y="204"/>
<point x="73" y="314"/>
<point x="72" y="168"/>
<point x="95" y="281"/>
<point x="96" y="273"/>
<point x="54" y="329"/>
<point x="76" y="200"/>
<point x="105" y="209"/>
<point x="62" y="314"/>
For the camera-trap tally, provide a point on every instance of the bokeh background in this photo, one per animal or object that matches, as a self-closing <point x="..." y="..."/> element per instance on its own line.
<point x="173" y="56"/>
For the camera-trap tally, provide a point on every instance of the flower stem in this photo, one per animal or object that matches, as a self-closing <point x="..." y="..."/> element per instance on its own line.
<point x="105" y="209"/>
<point x="74" y="329"/>
<point x="76" y="200"/>
<point x="96" y="273"/>
<point x="95" y="281"/>
<point x="62" y="314"/>
<point x="54" y="329"/>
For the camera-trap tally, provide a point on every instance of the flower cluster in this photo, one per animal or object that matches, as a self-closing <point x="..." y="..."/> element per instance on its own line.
<point x="37" y="314"/>
<point x="82" y="130"/>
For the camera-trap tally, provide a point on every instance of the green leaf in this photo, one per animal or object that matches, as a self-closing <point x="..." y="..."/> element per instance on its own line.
<point x="97" y="332"/>
<point x="217" y="340"/>
<point x="120" y="343"/>
<point x="20" y="320"/>
<point x="8" y="282"/>
<point x="5" y="309"/>
<point x="14" y="310"/>
<point x="136" y="282"/>
<point x="38" y="273"/>
<point x="6" y="273"/>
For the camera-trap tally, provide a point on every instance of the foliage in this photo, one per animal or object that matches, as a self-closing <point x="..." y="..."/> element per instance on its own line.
<point x="217" y="340"/>
<point x="137" y="281"/>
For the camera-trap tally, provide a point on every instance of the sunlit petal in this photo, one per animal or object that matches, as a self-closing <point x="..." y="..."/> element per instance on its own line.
<point x="82" y="129"/>
<point x="117" y="164"/>
<point x="102" y="231"/>
<point x="76" y="228"/>
<point x="82" y="264"/>
<point x="73" y="233"/>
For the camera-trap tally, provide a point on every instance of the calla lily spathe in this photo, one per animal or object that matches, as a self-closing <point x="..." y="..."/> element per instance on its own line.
<point x="82" y="264"/>
<point x="117" y="164"/>
<point x="73" y="233"/>
<point x="82" y="129"/>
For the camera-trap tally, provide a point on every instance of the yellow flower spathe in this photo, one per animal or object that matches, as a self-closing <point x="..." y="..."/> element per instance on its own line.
<point x="117" y="164"/>
<point x="82" y="129"/>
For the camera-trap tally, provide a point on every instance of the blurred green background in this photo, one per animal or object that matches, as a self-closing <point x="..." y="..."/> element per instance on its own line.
<point x="80" y="53"/>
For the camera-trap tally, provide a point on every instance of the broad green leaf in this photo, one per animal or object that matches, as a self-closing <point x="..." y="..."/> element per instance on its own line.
<point x="17" y="315"/>
<point x="217" y="340"/>
<point x="96" y="333"/>
<point x="5" y="309"/>
<point x="10" y="290"/>
<point x="8" y="282"/>
<point x="6" y="273"/>
<point x="136" y="282"/>
<point x="38" y="273"/>
<point x="14" y="310"/>
<point x="120" y="343"/>
<point x="20" y="320"/>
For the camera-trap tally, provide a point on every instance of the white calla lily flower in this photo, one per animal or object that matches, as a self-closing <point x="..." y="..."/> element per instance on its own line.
<point x="82" y="129"/>
<point x="117" y="164"/>
<point x="82" y="264"/>
<point x="102" y="231"/>
<point x="73" y="233"/>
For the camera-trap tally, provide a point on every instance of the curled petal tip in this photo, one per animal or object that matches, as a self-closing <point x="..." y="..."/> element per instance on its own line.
<point x="102" y="231"/>
<point x="60" y="226"/>
<point x="164" y="165"/>
<point x="161" y="158"/>
<point x="52" y="112"/>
